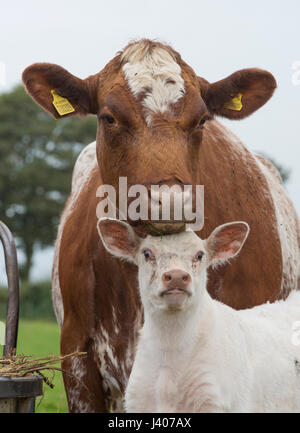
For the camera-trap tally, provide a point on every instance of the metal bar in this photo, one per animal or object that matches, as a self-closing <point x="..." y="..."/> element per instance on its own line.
<point x="12" y="312"/>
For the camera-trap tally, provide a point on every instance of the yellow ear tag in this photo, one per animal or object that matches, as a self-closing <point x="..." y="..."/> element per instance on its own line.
<point x="235" y="103"/>
<point x="62" y="105"/>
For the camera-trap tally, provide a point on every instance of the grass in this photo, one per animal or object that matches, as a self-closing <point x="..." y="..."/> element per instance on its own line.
<point x="41" y="338"/>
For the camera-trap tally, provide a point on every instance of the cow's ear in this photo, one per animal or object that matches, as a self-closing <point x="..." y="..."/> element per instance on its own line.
<point x="118" y="238"/>
<point x="59" y="92"/>
<point x="238" y="95"/>
<point x="226" y="241"/>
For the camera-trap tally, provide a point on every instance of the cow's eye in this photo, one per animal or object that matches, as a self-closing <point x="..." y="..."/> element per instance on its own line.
<point x="198" y="256"/>
<point x="148" y="254"/>
<point x="109" y="119"/>
<point x="203" y="120"/>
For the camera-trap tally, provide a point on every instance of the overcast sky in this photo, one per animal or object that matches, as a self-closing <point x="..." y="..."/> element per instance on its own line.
<point x="215" y="37"/>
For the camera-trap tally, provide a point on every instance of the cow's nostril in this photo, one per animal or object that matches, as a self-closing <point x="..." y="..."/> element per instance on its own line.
<point x="185" y="277"/>
<point x="167" y="277"/>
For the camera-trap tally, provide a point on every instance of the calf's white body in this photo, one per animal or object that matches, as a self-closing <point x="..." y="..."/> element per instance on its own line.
<point x="194" y="353"/>
<point x="218" y="360"/>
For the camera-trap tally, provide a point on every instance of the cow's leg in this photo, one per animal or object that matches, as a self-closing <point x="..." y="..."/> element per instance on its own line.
<point x="82" y="379"/>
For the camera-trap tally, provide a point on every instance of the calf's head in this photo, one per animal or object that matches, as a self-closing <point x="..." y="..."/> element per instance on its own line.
<point x="153" y="111"/>
<point x="172" y="269"/>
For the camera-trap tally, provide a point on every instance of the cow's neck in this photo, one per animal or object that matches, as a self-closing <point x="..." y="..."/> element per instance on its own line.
<point x="171" y="342"/>
<point x="174" y="334"/>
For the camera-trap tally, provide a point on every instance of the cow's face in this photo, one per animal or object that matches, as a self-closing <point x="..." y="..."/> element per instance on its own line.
<point x="152" y="112"/>
<point x="173" y="268"/>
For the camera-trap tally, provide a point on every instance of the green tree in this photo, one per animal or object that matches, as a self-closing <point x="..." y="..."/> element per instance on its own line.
<point x="37" y="155"/>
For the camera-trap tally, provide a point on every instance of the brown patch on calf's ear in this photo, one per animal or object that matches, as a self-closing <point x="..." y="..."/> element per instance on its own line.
<point x="43" y="80"/>
<point x="118" y="238"/>
<point x="227" y="240"/>
<point x="252" y="87"/>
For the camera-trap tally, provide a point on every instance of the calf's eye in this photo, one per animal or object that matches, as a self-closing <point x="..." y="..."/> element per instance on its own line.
<point x="148" y="254"/>
<point x="198" y="256"/>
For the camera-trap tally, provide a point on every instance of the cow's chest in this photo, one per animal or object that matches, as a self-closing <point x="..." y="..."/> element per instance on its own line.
<point x="188" y="386"/>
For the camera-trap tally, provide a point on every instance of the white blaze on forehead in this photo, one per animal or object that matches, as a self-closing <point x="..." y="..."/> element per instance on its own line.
<point x="155" y="74"/>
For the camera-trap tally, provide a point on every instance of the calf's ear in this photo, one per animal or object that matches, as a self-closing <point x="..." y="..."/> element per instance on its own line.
<point x="238" y="95"/>
<point x="118" y="238"/>
<point x="226" y="241"/>
<point x="59" y="92"/>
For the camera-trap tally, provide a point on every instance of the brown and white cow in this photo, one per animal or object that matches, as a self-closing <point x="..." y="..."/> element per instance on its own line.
<point x="156" y="126"/>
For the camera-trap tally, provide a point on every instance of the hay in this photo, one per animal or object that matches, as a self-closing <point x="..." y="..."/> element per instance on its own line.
<point x="26" y="365"/>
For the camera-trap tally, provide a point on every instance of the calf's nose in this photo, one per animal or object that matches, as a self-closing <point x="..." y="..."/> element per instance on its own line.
<point x="176" y="279"/>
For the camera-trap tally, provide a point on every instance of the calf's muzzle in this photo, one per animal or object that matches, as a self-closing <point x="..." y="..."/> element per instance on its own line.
<point x="175" y="282"/>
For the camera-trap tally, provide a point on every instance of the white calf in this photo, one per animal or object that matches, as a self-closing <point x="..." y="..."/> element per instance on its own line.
<point x="196" y="354"/>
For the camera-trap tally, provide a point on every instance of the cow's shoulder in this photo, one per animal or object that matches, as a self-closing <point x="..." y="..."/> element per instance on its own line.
<point x="84" y="166"/>
<point x="273" y="171"/>
<point x="77" y="233"/>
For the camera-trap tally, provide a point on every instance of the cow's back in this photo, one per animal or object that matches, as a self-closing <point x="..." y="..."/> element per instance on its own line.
<point x="238" y="186"/>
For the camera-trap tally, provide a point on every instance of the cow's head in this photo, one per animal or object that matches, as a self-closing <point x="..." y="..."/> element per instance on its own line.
<point x="152" y="110"/>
